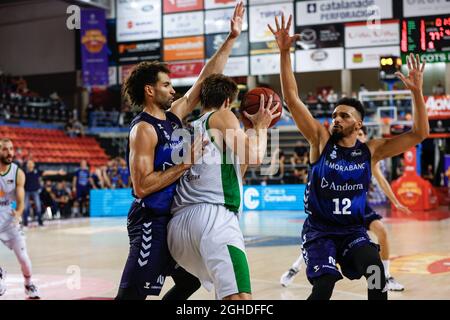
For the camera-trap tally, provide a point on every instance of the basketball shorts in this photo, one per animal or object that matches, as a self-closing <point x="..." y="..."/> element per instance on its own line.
<point x="149" y="260"/>
<point x="322" y="253"/>
<point x="11" y="235"/>
<point x="82" y="193"/>
<point x="205" y="239"/>
<point x="370" y="217"/>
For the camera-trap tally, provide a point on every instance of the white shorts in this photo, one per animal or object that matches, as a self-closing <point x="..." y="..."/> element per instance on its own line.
<point x="206" y="240"/>
<point x="12" y="236"/>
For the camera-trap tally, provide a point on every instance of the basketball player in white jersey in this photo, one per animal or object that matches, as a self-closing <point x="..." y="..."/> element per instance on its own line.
<point x="204" y="235"/>
<point x="12" y="183"/>
<point x="372" y="222"/>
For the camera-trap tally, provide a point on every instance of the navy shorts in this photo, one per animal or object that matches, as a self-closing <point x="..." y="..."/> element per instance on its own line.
<point x="322" y="252"/>
<point x="370" y="217"/>
<point x="82" y="193"/>
<point x="149" y="260"/>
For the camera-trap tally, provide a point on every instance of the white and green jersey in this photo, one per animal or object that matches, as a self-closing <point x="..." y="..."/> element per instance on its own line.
<point x="8" y="182"/>
<point x="217" y="180"/>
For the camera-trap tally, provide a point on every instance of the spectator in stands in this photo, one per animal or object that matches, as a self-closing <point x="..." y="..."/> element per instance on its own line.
<point x="68" y="128"/>
<point x="438" y="89"/>
<point x="32" y="190"/>
<point x="19" y="157"/>
<point x="362" y="88"/>
<point x="81" y="185"/>
<point x="301" y="154"/>
<point x="311" y="98"/>
<point x="332" y="96"/>
<point x="61" y="199"/>
<point x="301" y="175"/>
<point x="47" y="198"/>
<point x="124" y="173"/>
<point x="114" y="176"/>
<point x="323" y="96"/>
<point x="96" y="179"/>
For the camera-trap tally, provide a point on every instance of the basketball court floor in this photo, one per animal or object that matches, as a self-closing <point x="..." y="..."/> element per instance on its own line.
<point x="83" y="259"/>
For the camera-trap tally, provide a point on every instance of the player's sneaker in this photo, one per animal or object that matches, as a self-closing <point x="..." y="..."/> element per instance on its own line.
<point x="393" y="285"/>
<point x="32" y="292"/>
<point x="288" y="277"/>
<point x="2" y="282"/>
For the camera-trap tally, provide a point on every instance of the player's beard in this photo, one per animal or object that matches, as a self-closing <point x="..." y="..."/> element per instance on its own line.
<point x="338" y="135"/>
<point x="165" y="104"/>
<point x="6" y="160"/>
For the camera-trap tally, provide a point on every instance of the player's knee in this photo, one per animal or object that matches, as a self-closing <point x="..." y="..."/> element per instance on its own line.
<point x="323" y="287"/>
<point x="380" y="231"/>
<point x="238" y="296"/>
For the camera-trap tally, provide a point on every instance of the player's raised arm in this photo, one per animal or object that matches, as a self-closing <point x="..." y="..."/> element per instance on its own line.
<point x="310" y="128"/>
<point x="386" y="148"/>
<point x="185" y="105"/>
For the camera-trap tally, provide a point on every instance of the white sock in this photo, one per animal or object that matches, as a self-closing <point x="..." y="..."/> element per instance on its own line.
<point x="298" y="263"/>
<point x="386" y="264"/>
<point x="27" y="280"/>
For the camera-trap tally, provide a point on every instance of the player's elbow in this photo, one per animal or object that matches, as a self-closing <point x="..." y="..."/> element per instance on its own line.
<point x="422" y="134"/>
<point x="140" y="192"/>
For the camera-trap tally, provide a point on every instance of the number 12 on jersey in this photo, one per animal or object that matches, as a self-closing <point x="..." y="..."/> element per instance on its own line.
<point x="346" y="203"/>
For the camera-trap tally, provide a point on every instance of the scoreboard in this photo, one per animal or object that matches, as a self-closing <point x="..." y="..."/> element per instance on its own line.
<point x="429" y="37"/>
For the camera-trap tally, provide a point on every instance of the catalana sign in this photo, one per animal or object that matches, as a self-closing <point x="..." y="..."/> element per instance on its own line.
<point x="330" y="11"/>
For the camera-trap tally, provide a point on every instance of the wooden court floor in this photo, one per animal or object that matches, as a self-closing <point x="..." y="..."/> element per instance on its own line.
<point x="83" y="258"/>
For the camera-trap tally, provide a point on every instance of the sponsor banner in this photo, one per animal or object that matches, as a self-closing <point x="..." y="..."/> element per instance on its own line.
<point x="138" y="20"/>
<point x="214" y="41"/>
<point x="183" y="24"/>
<point x="101" y="200"/>
<point x="139" y="51"/>
<point x="258" y="2"/>
<point x="170" y="6"/>
<point x="265" y="47"/>
<point x="112" y="76"/>
<point x="94" y="49"/>
<point x="322" y="36"/>
<point x="218" y="21"/>
<point x="267" y="64"/>
<point x="360" y="35"/>
<point x="332" y="11"/>
<point x="190" y="48"/>
<point x="285" y="197"/>
<point x="437" y="57"/>
<point x="319" y="60"/>
<point x="124" y="72"/>
<point x="237" y="67"/>
<point x="366" y="58"/>
<point x="261" y="16"/>
<point x="215" y="4"/>
<point x="438" y="107"/>
<point x="440" y="126"/>
<point x="186" y="69"/>
<point x="420" y="8"/>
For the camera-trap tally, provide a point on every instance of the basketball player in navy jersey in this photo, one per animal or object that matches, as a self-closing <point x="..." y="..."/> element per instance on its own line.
<point x="154" y="174"/>
<point x="335" y="197"/>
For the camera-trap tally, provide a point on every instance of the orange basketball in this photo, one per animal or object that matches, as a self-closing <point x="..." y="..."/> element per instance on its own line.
<point x="250" y="104"/>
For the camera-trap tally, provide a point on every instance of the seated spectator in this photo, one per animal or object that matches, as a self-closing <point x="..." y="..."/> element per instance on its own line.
<point x="124" y="173"/>
<point x="61" y="199"/>
<point x="332" y="96"/>
<point x="301" y="174"/>
<point x="47" y="198"/>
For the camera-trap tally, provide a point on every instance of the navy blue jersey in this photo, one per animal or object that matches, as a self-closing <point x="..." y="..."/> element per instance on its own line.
<point x="335" y="197"/>
<point x="161" y="201"/>
<point x="83" y="176"/>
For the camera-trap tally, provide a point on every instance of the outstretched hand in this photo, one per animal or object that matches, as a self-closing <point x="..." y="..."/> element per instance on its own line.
<point x="414" y="80"/>
<point x="284" y="40"/>
<point x="237" y="20"/>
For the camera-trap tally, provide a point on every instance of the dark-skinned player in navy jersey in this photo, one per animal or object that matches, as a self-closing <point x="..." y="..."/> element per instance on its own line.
<point x="154" y="173"/>
<point x="339" y="178"/>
